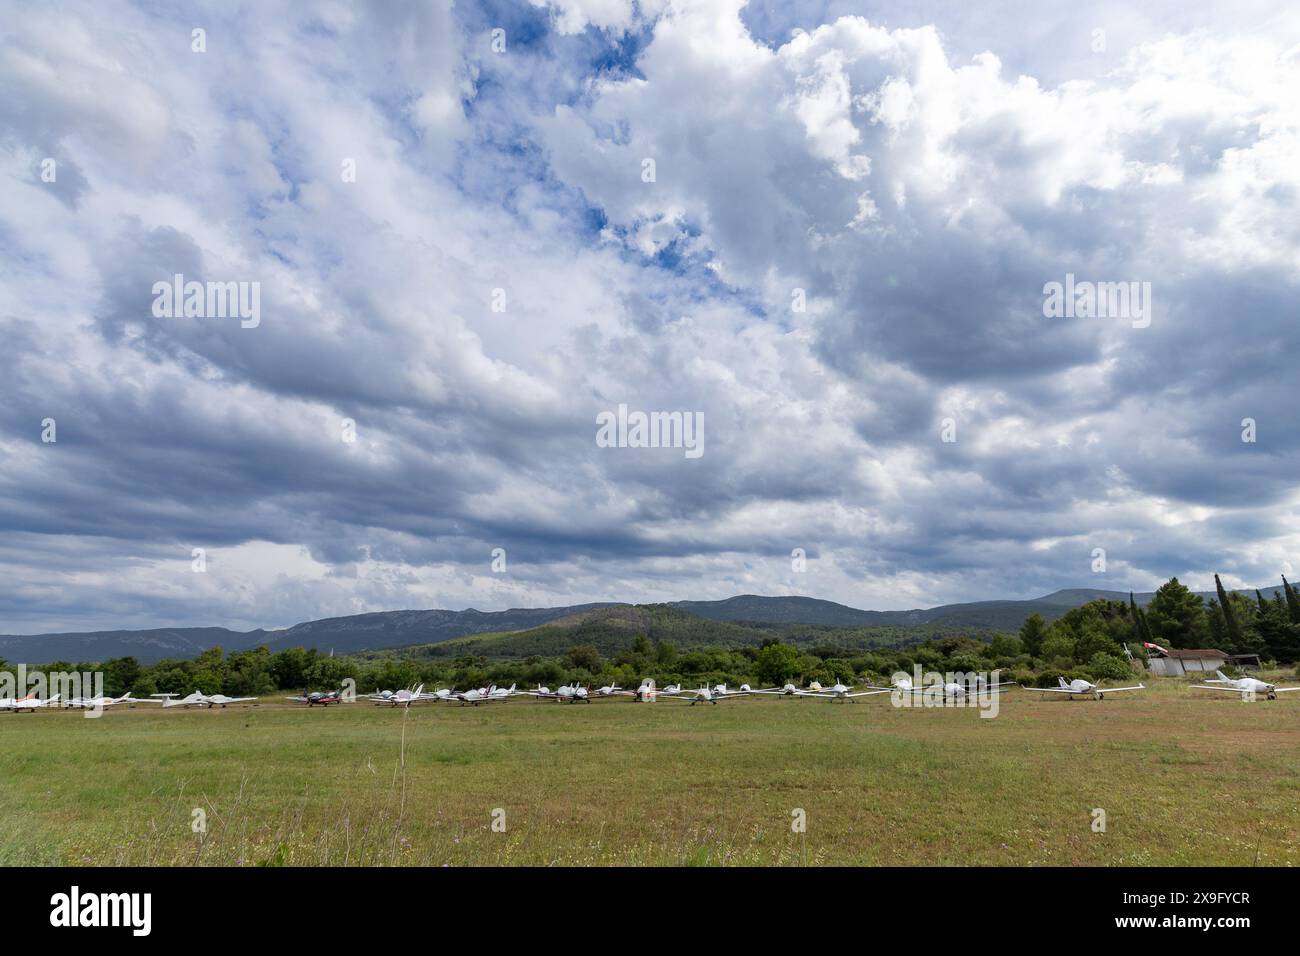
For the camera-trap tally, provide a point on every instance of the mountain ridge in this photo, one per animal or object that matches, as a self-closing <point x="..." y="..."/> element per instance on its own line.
<point x="377" y="630"/>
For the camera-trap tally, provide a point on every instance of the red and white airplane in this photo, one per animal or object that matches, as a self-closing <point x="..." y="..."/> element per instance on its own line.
<point x="1248" y="687"/>
<point x="1081" y="688"/>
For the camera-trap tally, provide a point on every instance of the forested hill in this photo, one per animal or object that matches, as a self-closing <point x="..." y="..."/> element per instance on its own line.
<point x="1000" y="615"/>
<point x="802" y="620"/>
<point x="616" y="629"/>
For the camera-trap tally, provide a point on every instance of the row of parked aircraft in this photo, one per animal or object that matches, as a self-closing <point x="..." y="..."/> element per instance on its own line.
<point x="1248" y="688"/>
<point x="99" y="702"/>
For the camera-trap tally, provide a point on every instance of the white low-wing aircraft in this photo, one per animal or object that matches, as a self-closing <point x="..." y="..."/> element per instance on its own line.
<point x="94" y="703"/>
<point x="1081" y="688"/>
<point x="31" y="703"/>
<point x="1248" y="687"/>
<point x="402" y="698"/>
<point x="200" y="699"/>
<point x="954" y="689"/>
<point x="483" y="695"/>
<point x="839" y="691"/>
<point x="573" y="693"/>
<point x="705" y="695"/>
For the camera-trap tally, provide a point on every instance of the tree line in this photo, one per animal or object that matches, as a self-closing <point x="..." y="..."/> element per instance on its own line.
<point x="1096" y="640"/>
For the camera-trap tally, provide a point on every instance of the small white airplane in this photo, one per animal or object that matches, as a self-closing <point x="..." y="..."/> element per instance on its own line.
<point x="31" y="703"/>
<point x="1248" y="687"/>
<point x="482" y="695"/>
<point x="705" y="695"/>
<point x="1081" y="688"/>
<point x="609" y="690"/>
<point x="566" y="694"/>
<point x="951" y="689"/>
<point x="401" y="698"/>
<point x="786" y="690"/>
<point x="840" y="691"/>
<point x="199" y="699"/>
<point x="93" y="703"/>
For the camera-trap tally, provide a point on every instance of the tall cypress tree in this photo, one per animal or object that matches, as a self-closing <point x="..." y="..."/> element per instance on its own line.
<point x="1229" y="615"/>
<point x="1259" y="599"/>
<point x="1292" y="601"/>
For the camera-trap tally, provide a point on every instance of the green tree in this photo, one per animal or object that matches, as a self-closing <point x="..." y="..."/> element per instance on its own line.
<point x="1177" y="616"/>
<point x="584" y="657"/>
<point x="775" y="664"/>
<point x="1032" y="633"/>
<point x="1229" y="615"/>
<point x="1105" y="666"/>
<point x="1292" y="601"/>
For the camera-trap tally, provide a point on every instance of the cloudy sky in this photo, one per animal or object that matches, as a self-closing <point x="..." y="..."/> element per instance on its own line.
<point x="505" y="265"/>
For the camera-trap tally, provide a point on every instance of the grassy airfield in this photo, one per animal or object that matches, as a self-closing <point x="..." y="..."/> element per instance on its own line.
<point x="1184" y="780"/>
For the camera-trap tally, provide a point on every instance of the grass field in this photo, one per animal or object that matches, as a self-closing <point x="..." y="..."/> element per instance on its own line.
<point x="1183" y="780"/>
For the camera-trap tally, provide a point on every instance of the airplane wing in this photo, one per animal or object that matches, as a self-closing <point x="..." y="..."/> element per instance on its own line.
<point x="1283" y="690"/>
<point x="867" y="693"/>
<point x="1229" y="690"/>
<point x="301" y="700"/>
<point x="1057" y="690"/>
<point x="1116" y="690"/>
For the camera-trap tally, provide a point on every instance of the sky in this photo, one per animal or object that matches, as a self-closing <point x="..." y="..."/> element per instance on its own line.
<point x="826" y="231"/>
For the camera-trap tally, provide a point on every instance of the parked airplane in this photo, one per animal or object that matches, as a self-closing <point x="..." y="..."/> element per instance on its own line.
<point x="199" y="699"/>
<point x="840" y="691"/>
<point x="401" y="698"/>
<point x="321" y="697"/>
<point x="705" y="695"/>
<point x="1081" y="688"/>
<point x="786" y="690"/>
<point x="1248" y="687"/>
<point x="31" y="703"/>
<point x="566" y="694"/>
<point x="93" y="703"/>
<point x="951" y="689"/>
<point x="482" y="695"/>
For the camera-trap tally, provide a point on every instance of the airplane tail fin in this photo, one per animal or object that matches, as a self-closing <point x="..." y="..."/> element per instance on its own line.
<point x="1061" y="682"/>
<point x="419" y="690"/>
<point x="1219" y="674"/>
